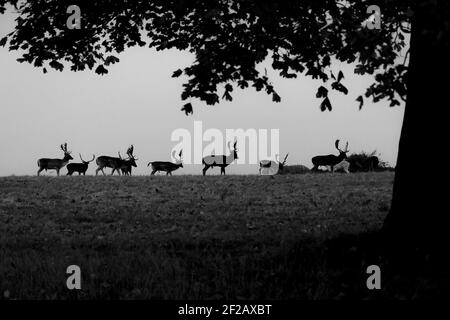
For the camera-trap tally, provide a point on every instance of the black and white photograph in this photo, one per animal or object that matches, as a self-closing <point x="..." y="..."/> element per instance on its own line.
<point x="227" y="155"/>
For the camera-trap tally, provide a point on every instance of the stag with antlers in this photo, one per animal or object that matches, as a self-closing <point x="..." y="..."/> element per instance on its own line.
<point x="166" y="166"/>
<point x="54" y="164"/>
<point x="127" y="164"/>
<point x="272" y="167"/>
<point x="81" y="168"/>
<point x="221" y="161"/>
<point x="330" y="160"/>
<point x="117" y="164"/>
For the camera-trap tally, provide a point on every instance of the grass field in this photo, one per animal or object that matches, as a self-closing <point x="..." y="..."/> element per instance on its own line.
<point x="189" y="237"/>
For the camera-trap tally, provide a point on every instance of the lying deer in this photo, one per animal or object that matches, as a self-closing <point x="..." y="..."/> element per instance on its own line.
<point x="166" y="166"/>
<point x="344" y="166"/>
<point x="273" y="167"/>
<point x="116" y="163"/>
<point x="330" y="160"/>
<point x="81" y="168"/>
<point x="221" y="161"/>
<point x="54" y="164"/>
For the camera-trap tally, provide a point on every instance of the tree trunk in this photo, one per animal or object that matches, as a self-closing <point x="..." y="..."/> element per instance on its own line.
<point x="419" y="214"/>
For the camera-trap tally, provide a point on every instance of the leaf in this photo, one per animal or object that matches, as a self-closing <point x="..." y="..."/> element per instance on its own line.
<point x="56" y="65"/>
<point x="339" y="87"/>
<point x="177" y="73"/>
<point x="325" y="105"/>
<point x="187" y="108"/>
<point x="101" y="70"/>
<point x="242" y="84"/>
<point x="44" y="70"/>
<point x="360" y="99"/>
<point x="3" y="41"/>
<point x="322" y="92"/>
<point x="111" y="60"/>
<point x="340" y="76"/>
<point x="229" y="87"/>
<point x="276" y="97"/>
<point x="227" y="96"/>
<point x="394" y="103"/>
<point x="332" y="75"/>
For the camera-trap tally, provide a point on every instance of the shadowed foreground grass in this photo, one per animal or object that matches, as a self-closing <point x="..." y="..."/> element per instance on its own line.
<point x="193" y="237"/>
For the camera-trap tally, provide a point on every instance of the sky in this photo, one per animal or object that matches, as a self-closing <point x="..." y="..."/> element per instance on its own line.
<point x="138" y="102"/>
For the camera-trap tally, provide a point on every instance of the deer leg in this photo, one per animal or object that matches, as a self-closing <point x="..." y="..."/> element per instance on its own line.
<point x="205" y="169"/>
<point x="153" y="173"/>
<point x="222" y="170"/>
<point x="39" y="171"/>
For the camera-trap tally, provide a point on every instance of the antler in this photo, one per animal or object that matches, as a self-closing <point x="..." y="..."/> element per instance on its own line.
<point x="284" y="161"/>
<point x="119" y="155"/>
<point x="346" y="147"/>
<point x="180" y="154"/>
<point x="130" y="152"/>
<point x="93" y="157"/>
<point x="235" y="144"/>
<point x="336" y="144"/>
<point x="173" y="154"/>
<point x="64" y="148"/>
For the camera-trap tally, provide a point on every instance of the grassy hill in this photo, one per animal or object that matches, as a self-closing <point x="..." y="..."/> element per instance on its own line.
<point x="188" y="237"/>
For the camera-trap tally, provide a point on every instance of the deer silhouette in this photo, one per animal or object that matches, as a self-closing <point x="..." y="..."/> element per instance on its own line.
<point x="166" y="166"/>
<point x="220" y="161"/>
<point x="330" y="160"/>
<point x="81" y="168"/>
<point x="54" y="164"/>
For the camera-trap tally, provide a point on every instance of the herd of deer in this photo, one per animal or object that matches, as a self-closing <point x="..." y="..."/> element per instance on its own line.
<point x="125" y="165"/>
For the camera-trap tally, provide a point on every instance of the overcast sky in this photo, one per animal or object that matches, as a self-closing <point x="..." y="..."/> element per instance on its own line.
<point x="139" y="103"/>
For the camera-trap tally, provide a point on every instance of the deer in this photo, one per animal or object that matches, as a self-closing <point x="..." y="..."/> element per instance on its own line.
<point x="330" y="160"/>
<point x="116" y="163"/>
<point x="344" y="165"/>
<point x="54" y="164"/>
<point x="126" y="170"/>
<point x="273" y="165"/>
<point x="127" y="164"/>
<point x="166" y="166"/>
<point x="221" y="161"/>
<point x="81" y="168"/>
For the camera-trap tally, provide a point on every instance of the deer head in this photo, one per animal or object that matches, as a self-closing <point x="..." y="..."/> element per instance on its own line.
<point x="67" y="155"/>
<point x="281" y="164"/>
<point x="342" y="153"/>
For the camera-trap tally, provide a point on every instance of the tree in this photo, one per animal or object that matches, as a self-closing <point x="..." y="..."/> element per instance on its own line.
<point x="230" y="37"/>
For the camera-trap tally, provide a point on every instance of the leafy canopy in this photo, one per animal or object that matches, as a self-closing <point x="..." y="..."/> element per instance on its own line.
<point x="228" y="39"/>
